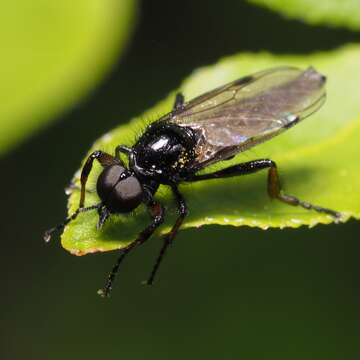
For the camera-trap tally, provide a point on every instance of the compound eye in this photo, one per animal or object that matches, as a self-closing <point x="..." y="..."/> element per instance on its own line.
<point x="127" y="194"/>
<point x="108" y="179"/>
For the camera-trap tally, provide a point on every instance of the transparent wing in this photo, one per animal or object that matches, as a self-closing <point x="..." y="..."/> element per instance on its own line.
<point x="248" y="111"/>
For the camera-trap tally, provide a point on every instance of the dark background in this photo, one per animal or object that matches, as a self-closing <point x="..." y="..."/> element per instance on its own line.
<point x="222" y="292"/>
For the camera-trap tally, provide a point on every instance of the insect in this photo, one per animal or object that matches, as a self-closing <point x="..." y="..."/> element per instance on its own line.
<point x="210" y="128"/>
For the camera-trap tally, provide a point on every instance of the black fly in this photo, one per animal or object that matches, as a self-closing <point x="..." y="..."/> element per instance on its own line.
<point x="195" y="134"/>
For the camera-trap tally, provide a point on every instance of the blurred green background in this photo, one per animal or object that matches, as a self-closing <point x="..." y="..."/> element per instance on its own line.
<point x="222" y="292"/>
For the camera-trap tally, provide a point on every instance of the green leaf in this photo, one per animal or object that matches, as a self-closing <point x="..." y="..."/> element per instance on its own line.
<point x="317" y="159"/>
<point x="344" y="13"/>
<point x="52" y="54"/>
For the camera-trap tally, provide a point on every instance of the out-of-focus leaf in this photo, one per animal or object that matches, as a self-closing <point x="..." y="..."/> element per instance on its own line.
<point x="317" y="160"/>
<point x="345" y="13"/>
<point x="52" y="54"/>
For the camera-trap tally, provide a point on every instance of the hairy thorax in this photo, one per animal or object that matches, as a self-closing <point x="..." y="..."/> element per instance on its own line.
<point x="165" y="151"/>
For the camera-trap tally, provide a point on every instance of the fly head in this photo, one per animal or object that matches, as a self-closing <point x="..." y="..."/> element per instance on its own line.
<point x="119" y="189"/>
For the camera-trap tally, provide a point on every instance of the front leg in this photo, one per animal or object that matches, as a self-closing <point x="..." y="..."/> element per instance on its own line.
<point x="157" y="214"/>
<point x="105" y="160"/>
<point x="169" y="237"/>
<point x="48" y="233"/>
<point x="122" y="149"/>
<point x="273" y="183"/>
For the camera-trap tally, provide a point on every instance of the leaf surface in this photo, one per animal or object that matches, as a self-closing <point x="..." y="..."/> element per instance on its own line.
<point x="317" y="160"/>
<point x="342" y="13"/>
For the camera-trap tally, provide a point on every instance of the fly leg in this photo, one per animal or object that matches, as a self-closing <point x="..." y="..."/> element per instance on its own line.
<point x="105" y="160"/>
<point x="157" y="214"/>
<point x="179" y="102"/>
<point x="132" y="159"/>
<point x="122" y="149"/>
<point x="169" y="237"/>
<point x="48" y="233"/>
<point x="73" y="186"/>
<point x="273" y="183"/>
